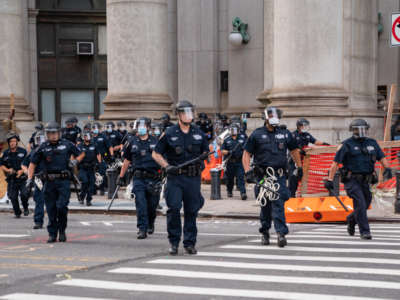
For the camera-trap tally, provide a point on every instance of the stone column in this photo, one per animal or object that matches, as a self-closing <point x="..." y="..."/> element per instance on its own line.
<point x="137" y="35"/>
<point x="323" y="63"/>
<point x="12" y="60"/>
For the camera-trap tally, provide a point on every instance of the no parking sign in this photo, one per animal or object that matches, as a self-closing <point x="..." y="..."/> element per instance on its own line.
<point x="395" y="35"/>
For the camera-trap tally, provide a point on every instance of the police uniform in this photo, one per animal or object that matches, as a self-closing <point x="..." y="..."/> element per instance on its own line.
<point x="358" y="157"/>
<point x="269" y="149"/>
<point x="38" y="215"/>
<point x="87" y="171"/>
<point x="103" y="145"/>
<point x="234" y="167"/>
<point x="16" y="186"/>
<point x="71" y="134"/>
<point x="146" y="175"/>
<point x="115" y="138"/>
<point x="177" y="147"/>
<point x="303" y="139"/>
<point x="207" y="128"/>
<point x="56" y="191"/>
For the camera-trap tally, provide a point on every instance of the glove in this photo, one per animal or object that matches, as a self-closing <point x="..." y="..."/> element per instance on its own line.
<point x="387" y="173"/>
<point x="326" y="144"/>
<point x="29" y="184"/>
<point x="118" y="181"/>
<point x="299" y="173"/>
<point x="328" y="184"/>
<point x="73" y="163"/>
<point x="204" y="156"/>
<point x="250" y="177"/>
<point x="171" y="170"/>
<point x="302" y="152"/>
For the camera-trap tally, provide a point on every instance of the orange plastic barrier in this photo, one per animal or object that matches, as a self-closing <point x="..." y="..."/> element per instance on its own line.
<point x="317" y="209"/>
<point x="213" y="162"/>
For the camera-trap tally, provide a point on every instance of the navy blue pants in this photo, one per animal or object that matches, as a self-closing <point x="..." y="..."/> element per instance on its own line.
<point x="235" y="170"/>
<point x="293" y="179"/>
<point x="275" y="210"/>
<point x="146" y="203"/>
<point x="38" y="215"/>
<point x="16" y="188"/>
<point x="361" y="195"/>
<point x="183" y="190"/>
<point x="56" y="198"/>
<point x="87" y="179"/>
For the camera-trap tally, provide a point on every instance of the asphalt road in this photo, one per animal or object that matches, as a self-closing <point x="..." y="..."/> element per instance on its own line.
<point x="103" y="260"/>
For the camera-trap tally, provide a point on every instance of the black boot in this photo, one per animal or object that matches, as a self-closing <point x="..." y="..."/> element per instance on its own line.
<point x="62" y="238"/>
<point x="191" y="250"/>
<point x="230" y="195"/>
<point x="141" y="235"/>
<point x="26" y="212"/>
<point x="351" y="228"/>
<point x="173" y="250"/>
<point x="52" y="239"/>
<point x="265" y="239"/>
<point x="366" y="236"/>
<point x="150" y="230"/>
<point x="88" y="203"/>
<point x="38" y="226"/>
<point x="281" y="240"/>
<point x="244" y="196"/>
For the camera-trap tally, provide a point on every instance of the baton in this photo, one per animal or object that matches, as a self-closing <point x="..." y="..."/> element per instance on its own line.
<point x="113" y="197"/>
<point x="340" y="201"/>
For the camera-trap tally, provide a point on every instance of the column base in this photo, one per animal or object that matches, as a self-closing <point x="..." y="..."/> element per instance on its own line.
<point x="133" y="106"/>
<point x="22" y="110"/>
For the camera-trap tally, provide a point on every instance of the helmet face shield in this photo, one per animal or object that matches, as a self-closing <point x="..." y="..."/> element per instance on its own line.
<point x="273" y="115"/>
<point x="40" y="138"/>
<point x="305" y="128"/>
<point x="141" y="127"/>
<point x="360" y="131"/>
<point x="234" y="131"/>
<point x="186" y="114"/>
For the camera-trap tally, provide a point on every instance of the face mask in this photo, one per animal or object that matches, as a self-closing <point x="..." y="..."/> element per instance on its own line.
<point x="157" y="132"/>
<point x="142" y="131"/>
<point x="122" y="128"/>
<point x="109" y="130"/>
<point x="95" y="131"/>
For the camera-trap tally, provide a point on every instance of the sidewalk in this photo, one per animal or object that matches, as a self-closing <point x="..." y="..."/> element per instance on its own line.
<point x="224" y="208"/>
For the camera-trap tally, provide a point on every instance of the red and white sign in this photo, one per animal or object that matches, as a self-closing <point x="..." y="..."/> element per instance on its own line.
<point x="395" y="35"/>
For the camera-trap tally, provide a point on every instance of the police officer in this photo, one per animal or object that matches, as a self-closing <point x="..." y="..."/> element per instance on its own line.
<point x="106" y="150"/>
<point x="70" y="132"/>
<point x="10" y="162"/>
<point x="358" y="155"/>
<point x="146" y="176"/>
<point x="268" y="145"/>
<point x="166" y="122"/>
<point x="38" y="216"/>
<point x="87" y="167"/>
<point x="115" y="138"/>
<point x="31" y="144"/>
<point x="205" y="125"/>
<point x="121" y="126"/>
<point x="156" y="129"/>
<point x="58" y="156"/>
<point x="179" y="144"/>
<point x="232" y="149"/>
<point x="303" y="138"/>
<point x="225" y="121"/>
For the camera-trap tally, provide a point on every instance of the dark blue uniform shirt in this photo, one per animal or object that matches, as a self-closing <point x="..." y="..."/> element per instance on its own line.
<point x="102" y="143"/>
<point x="28" y="160"/>
<point x="270" y="147"/>
<point x="178" y="147"/>
<point x="139" y="153"/>
<point x="231" y="144"/>
<point x="71" y="134"/>
<point x="91" y="152"/>
<point x="303" y="139"/>
<point x="115" y="138"/>
<point x="359" y="155"/>
<point x="55" y="157"/>
<point x="13" y="160"/>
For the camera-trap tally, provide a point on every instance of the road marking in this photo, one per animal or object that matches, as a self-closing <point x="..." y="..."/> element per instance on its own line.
<point x="56" y="258"/>
<point x="13" y="235"/>
<point x="366" y="260"/>
<point x="313" y="249"/>
<point x="344" y="232"/>
<point x="108" y="223"/>
<point x="337" y="242"/>
<point x="265" y="266"/>
<point x="23" y="296"/>
<point x="332" y="236"/>
<point x="41" y="267"/>
<point x="372" y="230"/>
<point x="3" y="275"/>
<point x="261" y="278"/>
<point x="86" y="223"/>
<point x="192" y="290"/>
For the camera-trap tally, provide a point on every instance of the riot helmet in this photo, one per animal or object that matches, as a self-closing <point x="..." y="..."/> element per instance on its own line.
<point x="359" y="128"/>
<point x="185" y="112"/>
<point x="303" y="125"/>
<point x="272" y="115"/>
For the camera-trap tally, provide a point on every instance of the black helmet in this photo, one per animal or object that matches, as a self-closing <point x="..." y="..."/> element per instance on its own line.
<point x="234" y="129"/>
<point x="110" y="123"/>
<point x="235" y="120"/>
<point x="52" y="126"/>
<point x="87" y="126"/>
<point x="97" y="125"/>
<point x="302" y="122"/>
<point x="144" y="120"/>
<point x="203" y="115"/>
<point x="359" y="127"/>
<point x="12" y="135"/>
<point x="74" y="119"/>
<point x="224" y="118"/>
<point x="39" y="126"/>
<point x="69" y="120"/>
<point x="182" y="105"/>
<point x="121" y="123"/>
<point x="165" y="117"/>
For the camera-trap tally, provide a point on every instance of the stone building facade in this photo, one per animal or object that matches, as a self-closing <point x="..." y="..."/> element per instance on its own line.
<point x="329" y="61"/>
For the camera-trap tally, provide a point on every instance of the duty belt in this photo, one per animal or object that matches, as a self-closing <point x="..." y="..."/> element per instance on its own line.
<point x="368" y="178"/>
<point x="192" y="170"/>
<point x="234" y="160"/>
<point x="261" y="171"/>
<point x="53" y="176"/>
<point x="141" y="174"/>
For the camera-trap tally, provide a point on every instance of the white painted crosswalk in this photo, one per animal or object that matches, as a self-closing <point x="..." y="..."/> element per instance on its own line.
<point x="321" y="263"/>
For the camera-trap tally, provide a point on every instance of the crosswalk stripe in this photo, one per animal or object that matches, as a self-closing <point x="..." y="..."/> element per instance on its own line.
<point x="343" y="232"/>
<point x="192" y="290"/>
<point x="13" y="235"/>
<point x="313" y="249"/>
<point x="261" y="278"/>
<point x="373" y="230"/>
<point x="23" y="296"/>
<point x="337" y="242"/>
<point x="367" y="260"/>
<point x="295" y="235"/>
<point x="265" y="266"/>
